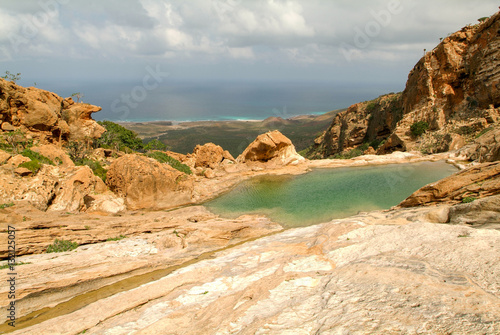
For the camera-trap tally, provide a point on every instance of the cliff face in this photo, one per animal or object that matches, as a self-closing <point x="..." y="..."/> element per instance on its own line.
<point x="455" y="89"/>
<point x="44" y="115"/>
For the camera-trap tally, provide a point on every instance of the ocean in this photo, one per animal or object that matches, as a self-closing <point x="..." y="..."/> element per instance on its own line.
<point x="218" y="101"/>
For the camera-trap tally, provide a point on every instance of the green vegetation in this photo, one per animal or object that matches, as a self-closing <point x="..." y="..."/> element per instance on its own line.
<point x="468" y="200"/>
<point x="484" y="131"/>
<point x="6" y="266"/>
<point x="418" y="128"/>
<point x="12" y="77"/>
<point x="155" y="145"/>
<point x="78" y="96"/>
<point x="371" y="106"/>
<point x="118" y="138"/>
<point x="164" y="158"/>
<point x="35" y="156"/>
<point x="466" y="130"/>
<point x="33" y="166"/>
<point x="118" y="238"/>
<point x="482" y="19"/>
<point x="61" y="246"/>
<point x="464" y="235"/>
<point x="10" y="204"/>
<point x="96" y="167"/>
<point x="15" y="141"/>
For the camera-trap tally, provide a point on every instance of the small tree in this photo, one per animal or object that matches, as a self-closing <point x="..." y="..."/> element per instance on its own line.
<point x="12" y="77"/>
<point x="155" y="145"/>
<point x="78" y="96"/>
<point x="418" y="128"/>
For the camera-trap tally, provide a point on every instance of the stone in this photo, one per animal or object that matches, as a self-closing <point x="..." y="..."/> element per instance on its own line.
<point x="270" y="147"/>
<point x="486" y="148"/>
<point x="474" y="182"/>
<point x="4" y="157"/>
<point x="23" y="172"/>
<point x="17" y="160"/>
<point x="55" y="153"/>
<point x="145" y="183"/>
<point x="208" y="156"/>
<point x="7" y="127"/>
<point x="483" y="213"/>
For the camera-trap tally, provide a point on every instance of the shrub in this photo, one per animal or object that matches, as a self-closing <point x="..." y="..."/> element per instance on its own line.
<point x="118" y="238"/>
<point x="465" y="130"/>
<point x="371" y="106"/>
<point x="33" y="166"/>
<point x="10" y="204"/>
<point x="155" y="145"/>
<point x="484" y="131"/>
<point x="468" y="200"/>
<point x="96" y="167"/>
<point x="61" y="246"/>
<point x="418" y="128"/>
<point x="35" y="156"/>
<point x="164" y="158"/>
<point x="117" y="137"/>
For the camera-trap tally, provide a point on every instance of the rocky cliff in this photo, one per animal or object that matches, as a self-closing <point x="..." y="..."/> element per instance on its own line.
<point x="45" y="116"/>
<point x="453" y="91"/>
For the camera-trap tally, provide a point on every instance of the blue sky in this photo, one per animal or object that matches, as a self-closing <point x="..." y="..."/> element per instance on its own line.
<point x="73" y="43"/>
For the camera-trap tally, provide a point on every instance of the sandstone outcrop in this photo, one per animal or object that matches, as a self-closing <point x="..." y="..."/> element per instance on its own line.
<point x="210" y="156"/>
<point x="454" y="89"/>
<point x="486" y="148"/>
<point x="45" y="116"/>
<point x="474" y="182"/>
<point x="375" y="273"/>
<point x="55" y="154"/>
<point x="272" y="147"/>
<point x="145" y="183"/>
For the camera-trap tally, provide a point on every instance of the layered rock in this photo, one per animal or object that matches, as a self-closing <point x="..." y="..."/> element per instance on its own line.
<point x="486" y="148"/>
<point x="44" y="115"/>
<point x="272" y="147"/>
<point x="474" y="182"/>
<point x="455" y="89"/>
<point x="145" y="183"/>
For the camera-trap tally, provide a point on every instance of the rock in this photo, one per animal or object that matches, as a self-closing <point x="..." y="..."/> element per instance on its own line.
<point x="44" y="115"/>
<point x="270" y="147"/>
<point x="17" y="160"/>
<point x="71" y="191"/>
<point x="209" y="173"/>
<point x="145" y="183"/>
<point x="55" y="154"/>
<point x="4" y="157"/>
<point x="23" y="172"/>
<point x="486" y="148"/>
<point x="369" y="151"/>
<point x="108" y="203"/>
<point x="474" y="182"/>
<point x="208" y="156"/>
<point x="480" y="212"/>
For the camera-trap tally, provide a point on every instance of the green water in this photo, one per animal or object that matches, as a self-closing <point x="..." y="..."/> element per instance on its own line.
<point x="327" y="194"/>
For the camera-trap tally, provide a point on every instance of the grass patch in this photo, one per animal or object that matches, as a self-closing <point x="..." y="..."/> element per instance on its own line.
<point x="33" y="166"/>
<point x="61" y="246"/>
<point x="35" y="156"/>
<point x="468" y="200"/>
<point x="164" y="158"/>
<point x="118" y="238"/>
<point x="10" y="204"/>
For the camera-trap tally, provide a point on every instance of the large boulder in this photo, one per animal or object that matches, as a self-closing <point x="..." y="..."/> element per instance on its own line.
<point x="486" y="148"/>
<point x="270" y="147"/>
<point x="146" y="183"/>
<point x="210" y="156"/>
<point x="475" y="182"/>
<point x="54" y="153"/>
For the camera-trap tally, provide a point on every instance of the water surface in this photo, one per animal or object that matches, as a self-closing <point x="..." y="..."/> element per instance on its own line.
<point x="326" y="194"/>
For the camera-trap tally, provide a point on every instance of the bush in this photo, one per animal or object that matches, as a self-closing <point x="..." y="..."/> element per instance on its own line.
<point x="61" y="246"/>
<point x="118" y="238"/>
<point x="371" y="106"/>
<point x="164" y="158"/>
<point x="35" y="156"/>
<point x="418" y="128"/>
<point x="10" y="204"/>
<point x="33" y="166"/>
<point x="468" y="200"/>
<point x="155" y="145"/>
<point x="117" y="137"/>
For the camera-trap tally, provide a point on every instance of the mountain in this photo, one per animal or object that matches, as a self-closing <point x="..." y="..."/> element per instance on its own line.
<point x="452" y="94"/>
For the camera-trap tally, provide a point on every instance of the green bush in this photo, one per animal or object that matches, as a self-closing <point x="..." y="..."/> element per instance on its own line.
<point x="118" y="136"/>
<point x="33" y="166"/>
<point x="61" y="246"/>
<point x="35" y="156"/>
<point x="155" y="145"/>
<point x="10" y="204"/>
<point x="371" y="106"/>
<point x="164" y="158"/>
<point x="96" y="167"/>
<point x="418" y="128"/>
<point x="118" y="238"/>
<point x="468" y="200"/>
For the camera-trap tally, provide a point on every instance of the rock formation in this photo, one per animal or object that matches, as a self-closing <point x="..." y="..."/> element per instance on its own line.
<point x="272" y="147"/>
<point x="44" y="115"/>
<point x="454" y="89"/>
<point x="485" y="148"/>
<point x="145" y="183"/>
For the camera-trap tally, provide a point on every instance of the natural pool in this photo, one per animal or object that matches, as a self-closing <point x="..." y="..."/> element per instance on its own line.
<point x="326" y="194"/>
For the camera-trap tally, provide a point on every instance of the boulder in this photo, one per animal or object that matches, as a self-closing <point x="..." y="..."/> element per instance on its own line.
<point x="55" y="154"/>
<point x="23" y="172"/>
<point x="270" y="147"/>
<point x="475" y="182"/>
<point x="145" y="183"/>
<point x="17" y="160"/>
<point x="485" y="148"/>
<point x="481" y="212"/>
<point x="208" y="156"/>
<point x="4" y="157"/>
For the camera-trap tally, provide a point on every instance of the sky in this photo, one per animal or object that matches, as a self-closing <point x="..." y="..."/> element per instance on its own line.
<point x="67" y="44"/>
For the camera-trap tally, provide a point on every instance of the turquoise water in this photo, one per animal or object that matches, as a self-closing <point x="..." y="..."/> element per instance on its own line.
<point x="326" y="194"/>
